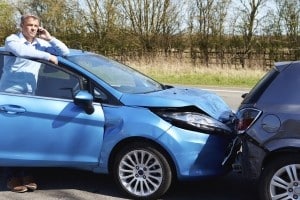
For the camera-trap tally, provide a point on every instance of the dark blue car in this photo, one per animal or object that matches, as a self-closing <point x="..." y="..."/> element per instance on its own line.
<point x="92" y="113"/>
<point x="268" y="126"/>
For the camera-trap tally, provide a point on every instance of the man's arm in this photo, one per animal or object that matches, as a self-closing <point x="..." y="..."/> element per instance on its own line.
<point x="56" y="47"/>
<point x="16" y="46"/>
<point x="44" y="50"/>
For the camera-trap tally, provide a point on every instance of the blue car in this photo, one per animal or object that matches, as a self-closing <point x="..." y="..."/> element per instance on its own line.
<point x="93" y="113"/>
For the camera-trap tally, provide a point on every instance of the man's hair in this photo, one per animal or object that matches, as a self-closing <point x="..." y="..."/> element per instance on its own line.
<point x="24" y="17"/>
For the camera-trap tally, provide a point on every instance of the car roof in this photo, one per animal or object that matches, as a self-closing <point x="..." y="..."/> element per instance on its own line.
<point x="282" y="65"/>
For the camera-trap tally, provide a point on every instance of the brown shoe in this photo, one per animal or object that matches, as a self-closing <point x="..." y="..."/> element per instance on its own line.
<point x="15" y="185"/>
<point x="29" y="183"/>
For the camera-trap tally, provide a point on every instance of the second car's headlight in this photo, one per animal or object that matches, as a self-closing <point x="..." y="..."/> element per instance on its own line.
<point x="195" y="121"/>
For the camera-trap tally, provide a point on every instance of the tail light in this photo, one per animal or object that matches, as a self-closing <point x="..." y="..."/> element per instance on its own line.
<point x="245" y="118"/>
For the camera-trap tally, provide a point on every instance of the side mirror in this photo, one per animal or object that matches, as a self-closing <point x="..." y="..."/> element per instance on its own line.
<point x="85" y="100"/>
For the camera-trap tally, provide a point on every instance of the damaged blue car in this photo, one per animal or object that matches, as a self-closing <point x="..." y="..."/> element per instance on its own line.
<point x="93" y="113"/>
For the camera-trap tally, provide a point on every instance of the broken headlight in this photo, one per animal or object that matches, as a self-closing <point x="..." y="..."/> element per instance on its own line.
<point x="195" y="121"/>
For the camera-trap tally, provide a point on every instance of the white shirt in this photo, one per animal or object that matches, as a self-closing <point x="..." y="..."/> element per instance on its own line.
<point x="19" y="74"/>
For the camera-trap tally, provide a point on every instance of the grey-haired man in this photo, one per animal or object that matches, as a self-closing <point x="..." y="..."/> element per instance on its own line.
<point x="20" y="76"/>
<point x="32" y="42"/>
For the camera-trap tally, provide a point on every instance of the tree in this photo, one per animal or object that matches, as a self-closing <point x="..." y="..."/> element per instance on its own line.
<point x="8" y="24"/>
<point x="150" y="20"/>
<point x="248" y="20"/>
<point x="62" y="18"/>
<point x="101" y="21"/>
<point x="288" y="12"/>
<point x="207" y="21"/>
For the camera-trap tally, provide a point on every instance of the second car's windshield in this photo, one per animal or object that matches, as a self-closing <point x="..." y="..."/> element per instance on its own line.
<point x="119" y="76"/>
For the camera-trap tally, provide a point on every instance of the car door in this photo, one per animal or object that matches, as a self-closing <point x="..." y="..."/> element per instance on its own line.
<point x="48" y="129"/>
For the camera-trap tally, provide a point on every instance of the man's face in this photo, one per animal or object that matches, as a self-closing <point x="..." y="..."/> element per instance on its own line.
<point x="29" y="28"/>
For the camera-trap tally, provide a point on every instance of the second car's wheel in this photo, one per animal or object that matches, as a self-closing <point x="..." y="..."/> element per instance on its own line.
<point x="281" y="179"/>
<point x="142" y="171"/>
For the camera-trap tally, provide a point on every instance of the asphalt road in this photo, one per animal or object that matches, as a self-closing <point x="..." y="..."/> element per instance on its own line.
<point x="232" y="96"/>
<point x="66" y="184"/>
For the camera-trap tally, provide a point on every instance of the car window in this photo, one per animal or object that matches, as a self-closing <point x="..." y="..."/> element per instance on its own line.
<point x="19" y="75"/>
<point x="284" y="89"/>
<point x="99" y="94"/>
<point x="28" y="77"/>
<point x="55" y="82"/>
<point x="1" y="64"/>
<point x="117" y="75"/>
<point x="260" y="87"/>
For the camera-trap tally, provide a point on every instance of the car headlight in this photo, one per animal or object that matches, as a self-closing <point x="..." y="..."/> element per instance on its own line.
<point x="195" y="121"/>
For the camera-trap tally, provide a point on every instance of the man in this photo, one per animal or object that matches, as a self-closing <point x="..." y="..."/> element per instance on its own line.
<point x="20" y="75"/>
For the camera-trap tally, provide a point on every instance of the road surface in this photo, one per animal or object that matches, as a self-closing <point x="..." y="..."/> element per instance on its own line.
<point x="232" y="96"/>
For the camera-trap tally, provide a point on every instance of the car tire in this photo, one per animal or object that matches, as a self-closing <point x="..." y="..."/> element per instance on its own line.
<point x="141" y="171"/>
<point x="280" y="178"/>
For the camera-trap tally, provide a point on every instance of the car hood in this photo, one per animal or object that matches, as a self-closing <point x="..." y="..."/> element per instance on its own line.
<point x="208" y="102"/>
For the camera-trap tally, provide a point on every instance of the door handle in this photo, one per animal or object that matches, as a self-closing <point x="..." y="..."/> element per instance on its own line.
<point x="12" y="109"/>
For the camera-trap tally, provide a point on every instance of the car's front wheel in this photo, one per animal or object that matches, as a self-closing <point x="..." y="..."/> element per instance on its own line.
<point x="281" y="179"/>
<point x="142" y="171"/>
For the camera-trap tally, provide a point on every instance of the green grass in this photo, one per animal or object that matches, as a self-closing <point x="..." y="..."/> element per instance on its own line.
<point x="207" y="79"/>
<point x="174" y="72"/>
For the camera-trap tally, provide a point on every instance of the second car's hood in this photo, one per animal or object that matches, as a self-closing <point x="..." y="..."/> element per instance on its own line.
<point x="207" y="101"/>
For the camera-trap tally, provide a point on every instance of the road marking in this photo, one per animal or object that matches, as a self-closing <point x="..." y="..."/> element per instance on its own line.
<point x="227" y="90"/>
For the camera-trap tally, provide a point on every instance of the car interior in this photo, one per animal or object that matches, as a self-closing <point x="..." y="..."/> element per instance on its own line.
<point x="1" y="64"/>
<point x="52" y="81"/>
<point x="56" y="83"/>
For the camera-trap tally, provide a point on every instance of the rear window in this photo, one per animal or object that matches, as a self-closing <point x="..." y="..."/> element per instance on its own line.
<point x="284" y="89"/>
<point x="260" y="87"/>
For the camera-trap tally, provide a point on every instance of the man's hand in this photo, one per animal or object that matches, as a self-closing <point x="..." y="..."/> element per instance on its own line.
<point x="44" y="34"/>
<point x="53" y="59"/>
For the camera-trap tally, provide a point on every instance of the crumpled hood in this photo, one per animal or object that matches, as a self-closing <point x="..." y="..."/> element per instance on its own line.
<point x="207" y="101"/>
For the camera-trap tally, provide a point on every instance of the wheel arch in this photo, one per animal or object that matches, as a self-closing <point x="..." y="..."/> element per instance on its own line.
<point x="281" y="147"/>
<point x="126" y="141"/>
<point x="282" y="143"/>
<point x="282" y="152"/>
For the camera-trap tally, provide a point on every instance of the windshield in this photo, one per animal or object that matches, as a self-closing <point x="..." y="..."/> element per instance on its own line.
<point x="117" y="75"/>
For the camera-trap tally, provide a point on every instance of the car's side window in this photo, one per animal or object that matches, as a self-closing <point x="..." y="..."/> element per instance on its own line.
<point x="55" y="82"/>
<point x="18" y="75"/>
<point x="28" y="77"/>
<point x="100" y="95"/>
<point x="1" y="64"/>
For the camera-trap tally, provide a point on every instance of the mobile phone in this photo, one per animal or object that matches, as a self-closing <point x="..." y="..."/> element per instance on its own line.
<point x="39" y="32"/>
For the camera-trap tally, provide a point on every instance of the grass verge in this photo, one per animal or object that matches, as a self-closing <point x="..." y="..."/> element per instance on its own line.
<point x="173" y="72"/>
